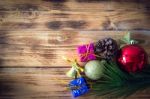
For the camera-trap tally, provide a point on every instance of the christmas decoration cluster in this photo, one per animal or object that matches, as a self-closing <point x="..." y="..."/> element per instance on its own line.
<point x="112" y="68"/>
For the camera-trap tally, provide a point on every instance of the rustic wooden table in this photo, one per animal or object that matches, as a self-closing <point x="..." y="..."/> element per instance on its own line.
<point x="34" y="34"/>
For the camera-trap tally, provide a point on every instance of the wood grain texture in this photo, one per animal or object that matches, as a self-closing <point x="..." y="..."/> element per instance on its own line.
<point x="41" y="83"/>
<point x="43" y="20"/>
<point x="32" y="83"/>
<point x="74" y="14"/>
<point x="35" y="34"/>
<point x="46" y="48"/>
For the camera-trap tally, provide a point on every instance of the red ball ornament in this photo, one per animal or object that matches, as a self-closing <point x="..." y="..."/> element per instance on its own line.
<point x="132" y="58"/>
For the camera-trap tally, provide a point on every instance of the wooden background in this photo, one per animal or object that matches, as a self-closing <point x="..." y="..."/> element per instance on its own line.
<point x="34" y="34"/>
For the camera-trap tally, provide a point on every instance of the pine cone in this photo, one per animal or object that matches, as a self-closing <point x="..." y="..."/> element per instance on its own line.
<point x="106" y="48"/>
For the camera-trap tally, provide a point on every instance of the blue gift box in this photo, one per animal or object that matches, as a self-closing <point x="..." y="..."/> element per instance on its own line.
<point x="78" y="87"/>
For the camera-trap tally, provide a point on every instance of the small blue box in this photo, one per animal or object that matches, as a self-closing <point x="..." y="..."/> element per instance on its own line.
<point x="78" y="87"/>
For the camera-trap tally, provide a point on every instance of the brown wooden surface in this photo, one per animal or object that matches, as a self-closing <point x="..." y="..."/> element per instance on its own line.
<point x="35" y="34"/>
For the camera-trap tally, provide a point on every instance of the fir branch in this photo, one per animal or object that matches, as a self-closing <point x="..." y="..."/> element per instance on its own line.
<point x="116" y="83"/>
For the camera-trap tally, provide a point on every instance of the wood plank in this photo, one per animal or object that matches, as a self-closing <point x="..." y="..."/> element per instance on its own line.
<point x="73" y="5"/>
<point x="50" y="15"/>
<point x="41" y="83"/>
<point x="53" y="20"/>
<point x="31" y="83"/>
<point x="46" y="48"/>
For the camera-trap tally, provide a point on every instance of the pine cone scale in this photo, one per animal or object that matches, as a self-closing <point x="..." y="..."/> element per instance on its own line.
<point x="106" y="48"/>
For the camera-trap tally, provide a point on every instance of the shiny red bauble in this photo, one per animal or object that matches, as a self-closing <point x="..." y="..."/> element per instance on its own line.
<point x="132" y="58"/>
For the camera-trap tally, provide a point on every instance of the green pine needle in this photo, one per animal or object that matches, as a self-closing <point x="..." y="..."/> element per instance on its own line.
<point x="116" y="83"/>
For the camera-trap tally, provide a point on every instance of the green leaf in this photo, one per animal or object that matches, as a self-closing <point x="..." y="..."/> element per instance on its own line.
<point x="127" y="38"/>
